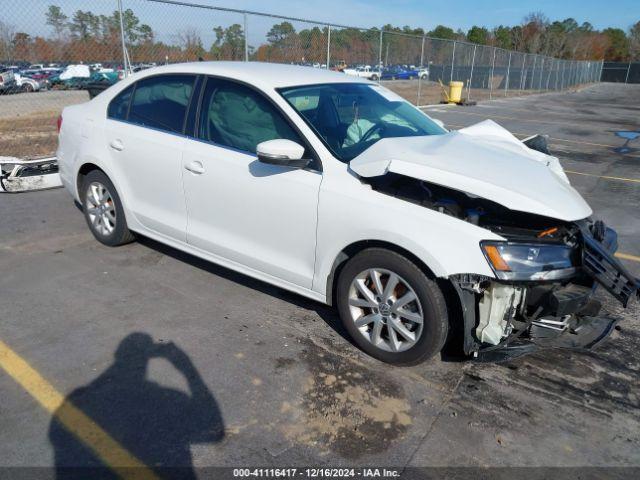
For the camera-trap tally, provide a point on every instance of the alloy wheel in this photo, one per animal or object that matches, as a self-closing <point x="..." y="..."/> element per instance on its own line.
<point x="101" y="209"/>
<point x="386" y="310"/>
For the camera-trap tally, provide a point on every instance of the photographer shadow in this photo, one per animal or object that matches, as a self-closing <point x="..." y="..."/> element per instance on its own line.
<point x="153" y="423"/>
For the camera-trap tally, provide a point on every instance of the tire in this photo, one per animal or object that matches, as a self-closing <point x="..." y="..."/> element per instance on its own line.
<point x="105" y="217"/>
<point x="27" y="87"/>
<point x="429" y="338"/>
<point x="374" y="78"/>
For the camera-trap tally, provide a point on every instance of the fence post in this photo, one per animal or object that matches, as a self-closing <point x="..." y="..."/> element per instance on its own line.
<point x="124" y="46"/>
<point x="506" y="83"/>
<point x="246" y="40"/>
<point x="420" y="67"/>
<point x="541" y="73"/>
<point x="453" y="59"/>
<point x="533" y="71"/>
<point x="380" y="53"/>
<point x="626" y="79"/>
<point x="328" y="45"/>
<point x="473" y="61"/>
<point x="493" y="67"/>
<point x="522" y="77"/>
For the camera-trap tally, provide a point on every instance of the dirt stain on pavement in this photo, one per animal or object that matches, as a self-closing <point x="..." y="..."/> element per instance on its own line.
<point x="346" y="408"/>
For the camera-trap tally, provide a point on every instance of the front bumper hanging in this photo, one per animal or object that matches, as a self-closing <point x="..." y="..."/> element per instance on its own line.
<point x="28" y="175"/>
<point x="560" y="315"/>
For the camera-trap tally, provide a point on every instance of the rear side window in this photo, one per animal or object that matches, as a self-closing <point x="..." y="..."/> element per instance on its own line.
<point x="161" y="102"/>
<point x="237" y="116"/>
<point x="120" y="104"/>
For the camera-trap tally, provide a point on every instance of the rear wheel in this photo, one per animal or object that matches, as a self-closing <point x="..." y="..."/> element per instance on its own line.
<point x="391" y="309"/>
<point x="103" y="210"/>
<point x="27" y="87"/>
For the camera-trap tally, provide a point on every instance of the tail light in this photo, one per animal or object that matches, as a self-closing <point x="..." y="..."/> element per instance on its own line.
<point x="59" y="123"/>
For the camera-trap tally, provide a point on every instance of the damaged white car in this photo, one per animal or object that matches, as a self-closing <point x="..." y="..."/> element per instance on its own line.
<point x="337" y="189"/>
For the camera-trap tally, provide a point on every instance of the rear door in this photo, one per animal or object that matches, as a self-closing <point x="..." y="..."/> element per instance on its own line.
<point x="145" y="136"/>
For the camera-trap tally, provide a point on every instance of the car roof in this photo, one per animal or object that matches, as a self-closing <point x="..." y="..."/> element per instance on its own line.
<point x="274" y="75"/>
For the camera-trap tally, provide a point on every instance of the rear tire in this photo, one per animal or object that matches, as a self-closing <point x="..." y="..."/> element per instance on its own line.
<point x="395" y="330"/>
<point x="103" y="210"/>
<point x="27" y="88"/>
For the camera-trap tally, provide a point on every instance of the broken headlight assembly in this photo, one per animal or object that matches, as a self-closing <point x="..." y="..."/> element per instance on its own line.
<point x="529" y="261"/>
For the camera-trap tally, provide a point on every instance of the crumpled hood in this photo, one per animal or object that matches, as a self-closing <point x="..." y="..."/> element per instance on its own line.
<point x="485" y="160"/>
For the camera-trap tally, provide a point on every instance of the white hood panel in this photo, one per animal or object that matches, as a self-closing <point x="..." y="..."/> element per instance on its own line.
<point x="485" y="160"/>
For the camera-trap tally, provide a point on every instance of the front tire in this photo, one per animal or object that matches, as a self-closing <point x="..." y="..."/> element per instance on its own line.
<point x="103" y="210"/>
<point x="391" y="309"/>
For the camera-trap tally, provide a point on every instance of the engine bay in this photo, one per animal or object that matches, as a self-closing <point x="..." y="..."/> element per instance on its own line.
<point x="511" y="224"/>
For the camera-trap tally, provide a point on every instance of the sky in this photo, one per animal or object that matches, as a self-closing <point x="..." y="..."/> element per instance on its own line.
<point x="168" y="20"/>
<point x="457" y="14"/>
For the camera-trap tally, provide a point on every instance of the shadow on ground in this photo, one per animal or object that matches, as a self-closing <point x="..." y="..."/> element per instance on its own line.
<point x="156" y="424"/>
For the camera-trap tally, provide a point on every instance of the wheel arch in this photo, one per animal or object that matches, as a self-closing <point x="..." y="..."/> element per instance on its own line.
<point x="453" y="302"/>
<point x="354" y="248"/>
<point x="83" y="171"/>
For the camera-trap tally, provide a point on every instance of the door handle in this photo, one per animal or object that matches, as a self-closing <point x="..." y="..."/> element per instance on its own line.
<point x="195" y="167"/>
<point x="116" y="145"/>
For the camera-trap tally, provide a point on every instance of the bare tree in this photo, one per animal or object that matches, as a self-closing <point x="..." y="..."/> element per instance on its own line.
<point x="191" y="43"/>
<point x="7" y="32"/>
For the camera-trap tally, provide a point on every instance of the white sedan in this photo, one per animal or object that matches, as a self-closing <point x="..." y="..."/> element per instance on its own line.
<point x="337" y="189"/>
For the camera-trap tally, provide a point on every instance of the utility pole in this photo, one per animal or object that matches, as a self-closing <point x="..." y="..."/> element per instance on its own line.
<point x="246" y="40"/>
<point x="328" y="45"/>
<point x="125" y="63"/>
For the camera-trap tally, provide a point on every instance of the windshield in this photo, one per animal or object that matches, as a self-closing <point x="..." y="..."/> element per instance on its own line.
<point x="350" y="117"/>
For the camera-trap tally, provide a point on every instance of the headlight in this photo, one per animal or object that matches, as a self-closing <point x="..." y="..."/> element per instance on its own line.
<point x="524" y="261"/>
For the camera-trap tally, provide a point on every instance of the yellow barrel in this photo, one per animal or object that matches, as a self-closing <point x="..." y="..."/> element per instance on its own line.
<point x="455" y="92"/>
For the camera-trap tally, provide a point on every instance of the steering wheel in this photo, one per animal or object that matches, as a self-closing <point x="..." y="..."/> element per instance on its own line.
<point x="378" y="127"/>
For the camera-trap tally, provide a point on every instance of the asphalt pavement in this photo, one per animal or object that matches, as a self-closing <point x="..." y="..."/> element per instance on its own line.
<point x="141" y="353"/>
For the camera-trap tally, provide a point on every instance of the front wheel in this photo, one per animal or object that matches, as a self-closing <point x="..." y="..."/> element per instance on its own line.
<point x="103" y="210"/>
<point x="391" y="309"/>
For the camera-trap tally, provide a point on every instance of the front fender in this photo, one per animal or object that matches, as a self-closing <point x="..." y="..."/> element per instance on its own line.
<point x="352" y="213"/>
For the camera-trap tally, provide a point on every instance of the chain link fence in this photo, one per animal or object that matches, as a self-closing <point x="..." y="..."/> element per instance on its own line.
<point x="621" y="72"/>
<point x="71" y="46"/>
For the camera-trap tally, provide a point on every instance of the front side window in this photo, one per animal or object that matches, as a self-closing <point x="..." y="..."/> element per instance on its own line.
<point x="237" y="116"/>
<point x="161" y="102"/>
<point x="119" y="106"/>
<point x="350" y="117"/>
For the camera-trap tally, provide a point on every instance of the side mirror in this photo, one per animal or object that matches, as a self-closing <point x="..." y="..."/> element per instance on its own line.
<point x="282" y="152"/>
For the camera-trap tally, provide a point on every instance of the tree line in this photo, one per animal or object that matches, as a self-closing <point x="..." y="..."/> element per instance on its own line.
<point x="87" y="37"/>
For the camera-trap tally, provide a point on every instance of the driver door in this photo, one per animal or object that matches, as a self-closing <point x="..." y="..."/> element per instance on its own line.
<point x="255" y="215"/>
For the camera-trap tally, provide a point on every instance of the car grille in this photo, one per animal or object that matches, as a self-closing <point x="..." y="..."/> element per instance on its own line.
<point x="603" y="267"/>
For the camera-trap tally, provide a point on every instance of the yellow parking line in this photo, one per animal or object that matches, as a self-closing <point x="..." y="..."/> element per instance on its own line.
<point x="626" y="256"/>
<point x="607" y="177"/>
<point x="112" y="454"/>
